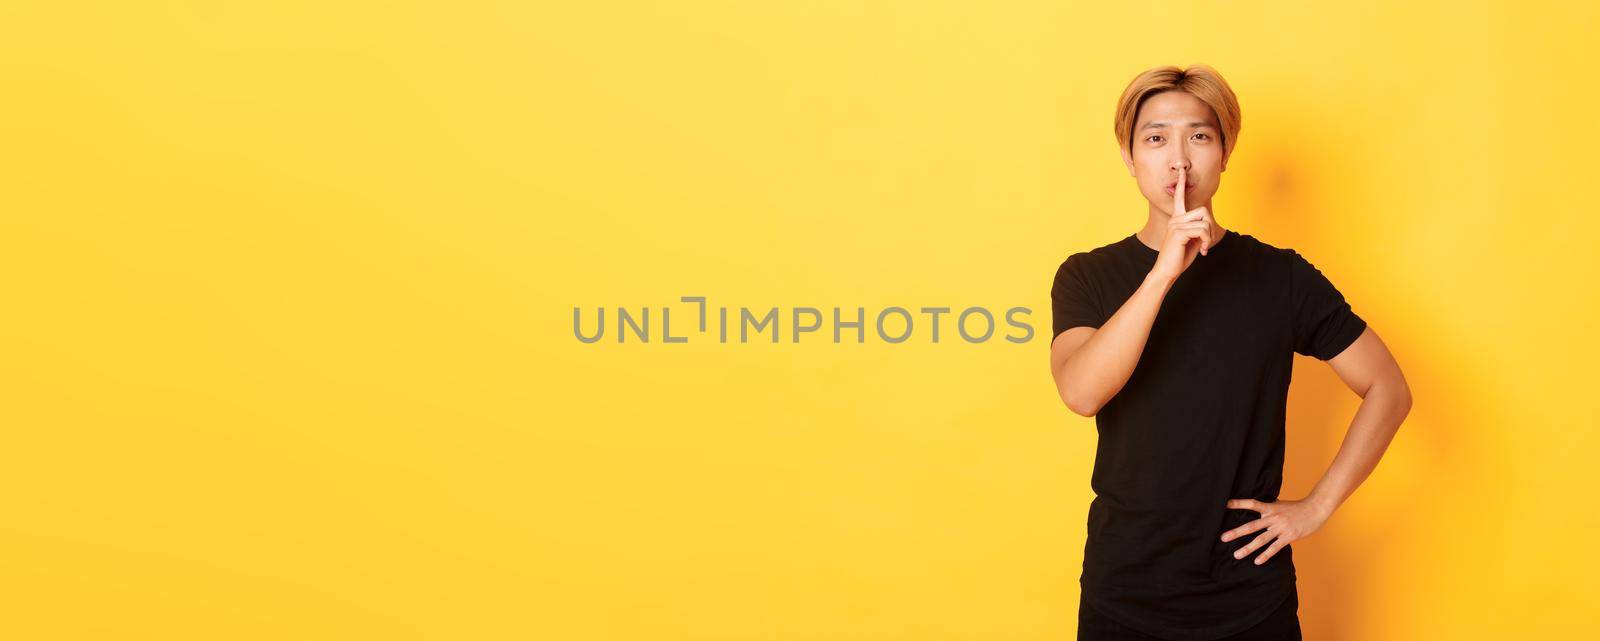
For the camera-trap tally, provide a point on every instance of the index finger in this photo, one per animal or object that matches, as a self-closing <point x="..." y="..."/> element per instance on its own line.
<point x="1245" y="504"/>
<point x="1178" y="208"/>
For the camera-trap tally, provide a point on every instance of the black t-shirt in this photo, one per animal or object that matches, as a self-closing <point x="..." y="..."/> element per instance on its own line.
<point x="1200" y="421"/>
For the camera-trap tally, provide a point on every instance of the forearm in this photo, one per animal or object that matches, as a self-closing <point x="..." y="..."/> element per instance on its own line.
<point x="1382" y="410"/>
<point x="1098" y="369"/>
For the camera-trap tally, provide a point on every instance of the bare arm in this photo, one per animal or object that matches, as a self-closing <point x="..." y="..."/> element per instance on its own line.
<point x="1370" y="371"/>
<point x="1367" y="367"/>
<point x="1091" y="365"/>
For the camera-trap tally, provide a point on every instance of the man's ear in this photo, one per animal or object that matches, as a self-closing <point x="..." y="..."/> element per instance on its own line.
<point x="1127" y="159"/>
<point x="1224" y="162"/>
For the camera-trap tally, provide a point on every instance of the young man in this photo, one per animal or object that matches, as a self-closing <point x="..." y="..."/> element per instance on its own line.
<point x="1180" y="339"/>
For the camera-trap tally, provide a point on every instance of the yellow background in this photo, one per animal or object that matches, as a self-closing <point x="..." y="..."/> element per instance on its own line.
<point x="289" y="286"/>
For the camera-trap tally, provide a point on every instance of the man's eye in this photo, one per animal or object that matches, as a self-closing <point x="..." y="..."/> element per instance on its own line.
<point x="1153" y="137"/>
<point x="1204" y="136"/>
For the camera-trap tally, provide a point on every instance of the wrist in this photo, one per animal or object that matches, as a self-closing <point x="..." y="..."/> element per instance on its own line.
<point x="1158" y="281"/>
<point x="1325" y="503"/>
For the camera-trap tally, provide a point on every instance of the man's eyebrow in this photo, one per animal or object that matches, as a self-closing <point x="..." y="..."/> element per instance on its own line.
<point x="1159" y="125"/>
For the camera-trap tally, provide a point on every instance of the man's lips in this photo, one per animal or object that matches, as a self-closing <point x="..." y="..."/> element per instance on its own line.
<point x="1172" y="187"/>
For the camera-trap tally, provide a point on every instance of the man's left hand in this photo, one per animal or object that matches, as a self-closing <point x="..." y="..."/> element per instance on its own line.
<point x="1284" y="521"/>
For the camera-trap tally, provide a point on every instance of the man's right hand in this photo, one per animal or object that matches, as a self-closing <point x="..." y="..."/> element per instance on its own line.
<point x="1188" y="234"/>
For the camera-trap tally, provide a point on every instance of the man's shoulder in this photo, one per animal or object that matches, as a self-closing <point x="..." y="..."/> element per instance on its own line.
<point x="1253" y="242"/>
<point x="1095" y="256"/>
<point x="1255" y="245"/>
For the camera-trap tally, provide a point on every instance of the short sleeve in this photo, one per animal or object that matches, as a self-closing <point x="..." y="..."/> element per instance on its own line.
<point x="1324" y="323"/>
<point x="1072" y="301"/>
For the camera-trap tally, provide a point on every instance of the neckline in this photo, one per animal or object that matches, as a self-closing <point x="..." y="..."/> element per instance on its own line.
<point x="1221" y="243"/>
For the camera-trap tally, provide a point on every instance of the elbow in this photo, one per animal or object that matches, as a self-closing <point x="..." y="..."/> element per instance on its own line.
<point x="1072" y="395"/>
<point x="1401" y="393"/>
<point x="1079" y="405"/>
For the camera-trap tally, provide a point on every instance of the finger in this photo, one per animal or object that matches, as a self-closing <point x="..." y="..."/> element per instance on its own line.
<point x="1188" y="234"/>
<point x="1247" y="504"/>
<point x="1177" y="194"/>
<point x="1242" y="530"/>
<point x="1200" y="236"/>
<point x="1271" y="550"/>
<point x="1199" y="215"/>
<point x="1255" y="544"/>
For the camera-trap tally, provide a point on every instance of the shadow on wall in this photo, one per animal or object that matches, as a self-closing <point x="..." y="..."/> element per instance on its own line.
<point x="1341" y="567"/>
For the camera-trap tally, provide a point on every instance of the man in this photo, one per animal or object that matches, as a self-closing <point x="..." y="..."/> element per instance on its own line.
<point x="1179" y="340"/>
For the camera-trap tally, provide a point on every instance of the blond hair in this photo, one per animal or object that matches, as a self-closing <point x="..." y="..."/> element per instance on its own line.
<point x="1201" y="81"/>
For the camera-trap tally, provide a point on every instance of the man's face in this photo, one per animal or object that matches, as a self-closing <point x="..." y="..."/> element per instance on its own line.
<point x="1175" y="129"/>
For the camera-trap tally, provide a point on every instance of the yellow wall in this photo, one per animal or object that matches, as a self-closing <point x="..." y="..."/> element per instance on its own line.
<point x="289" y="286"/>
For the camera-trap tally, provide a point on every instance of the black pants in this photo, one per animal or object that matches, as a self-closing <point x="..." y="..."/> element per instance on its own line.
<point x="1282" y="625"/>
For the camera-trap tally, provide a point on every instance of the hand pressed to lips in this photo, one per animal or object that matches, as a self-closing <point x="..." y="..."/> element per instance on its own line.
<point x="1188" y="233"/>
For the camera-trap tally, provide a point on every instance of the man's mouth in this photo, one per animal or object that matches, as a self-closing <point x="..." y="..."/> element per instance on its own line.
<point x="1173" y="187"/>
